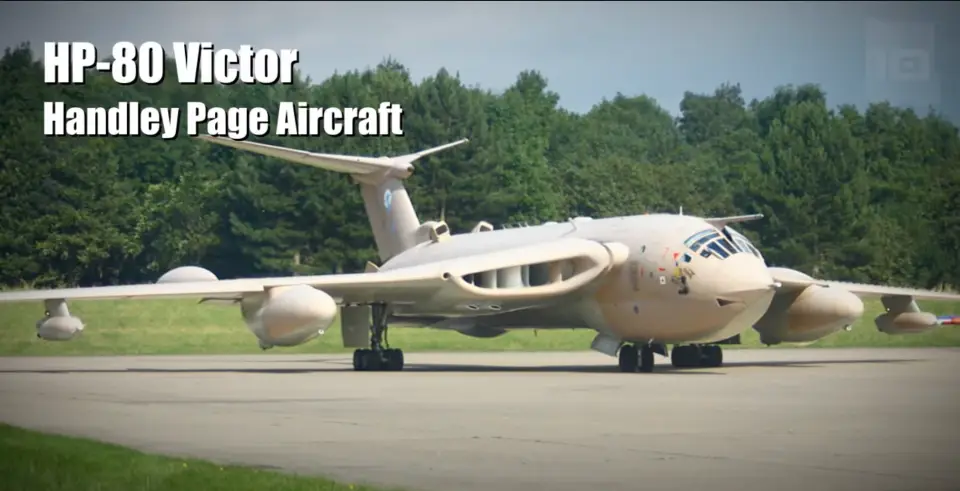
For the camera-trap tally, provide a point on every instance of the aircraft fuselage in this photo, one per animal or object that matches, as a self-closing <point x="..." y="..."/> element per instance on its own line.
<point x="665" y="292"/>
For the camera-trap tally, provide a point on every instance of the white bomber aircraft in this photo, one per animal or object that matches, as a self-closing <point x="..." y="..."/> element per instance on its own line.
<point x="641" y="282"/>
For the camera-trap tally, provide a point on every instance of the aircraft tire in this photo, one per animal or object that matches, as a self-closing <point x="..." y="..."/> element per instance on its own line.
<point x="368" y="360"/>
<point x="646" y="359"/>
<point x="688" y="356"/>
<point x="359" y="360"/>
<point x="712" y="356"/>
<point x="681" y="356"/>
<point x="393" y="359"/>
<point x="375" y="362"/>
<point x="628" y="358"/>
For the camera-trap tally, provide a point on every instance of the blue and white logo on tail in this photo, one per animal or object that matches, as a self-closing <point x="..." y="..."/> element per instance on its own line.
<point x="387" y="199"/>
<point x="387" y="203"/>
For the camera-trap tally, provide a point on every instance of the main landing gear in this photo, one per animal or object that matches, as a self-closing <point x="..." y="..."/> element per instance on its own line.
<point x="633" y="358"/>
<point x="380" y="356"/>
<point x="695" y="356"/>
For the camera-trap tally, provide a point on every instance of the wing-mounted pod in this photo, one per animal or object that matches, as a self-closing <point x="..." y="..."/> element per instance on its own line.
<point x="187" y="274"/>
<point x="903" y="316"/>
<point x="288" y="315"/>
<point x="805" y="310"/>
<point x="58" y="324"/>
<point x="277" y="316"/>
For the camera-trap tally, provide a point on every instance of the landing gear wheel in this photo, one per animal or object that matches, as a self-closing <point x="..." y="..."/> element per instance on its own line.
<point x="685" y="356"/>
<point x="692" y="356"/>
<point x="366" y="360"/>
<point x="646" y="359"/>
<point x="358" y="360"/>
<point x="629" y="358"/>
<point x="380" y="357"/>
<point x="393" y="359"/>
<point x="712" y="356"/>
<point x="634" y="358"/>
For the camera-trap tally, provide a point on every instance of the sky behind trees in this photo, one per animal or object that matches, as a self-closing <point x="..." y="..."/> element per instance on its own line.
<point x="859" y="52"/>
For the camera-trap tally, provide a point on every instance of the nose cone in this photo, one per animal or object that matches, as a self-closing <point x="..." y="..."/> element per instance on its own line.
<point x="743" y="278"/>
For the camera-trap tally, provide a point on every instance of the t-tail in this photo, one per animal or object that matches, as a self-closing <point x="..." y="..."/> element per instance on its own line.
<point x="392" y="217"/>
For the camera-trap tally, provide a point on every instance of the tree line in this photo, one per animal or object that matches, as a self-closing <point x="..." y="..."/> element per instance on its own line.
<point x="868" y="195"/>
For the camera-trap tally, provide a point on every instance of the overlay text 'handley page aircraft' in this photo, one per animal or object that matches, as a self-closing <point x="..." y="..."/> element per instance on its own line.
<point x="641" y="282"/>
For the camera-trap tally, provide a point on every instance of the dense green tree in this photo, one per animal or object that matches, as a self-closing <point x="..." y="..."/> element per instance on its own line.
<point x="870" y="194"/>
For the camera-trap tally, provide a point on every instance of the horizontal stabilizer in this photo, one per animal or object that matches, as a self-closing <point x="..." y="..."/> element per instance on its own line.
<point x="400" y="167"/>
<point x="724" y="221"/>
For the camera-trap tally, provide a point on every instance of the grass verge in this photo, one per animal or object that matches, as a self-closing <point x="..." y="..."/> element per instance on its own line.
<point x="36" y="461"/>
<point x="168" y="326"/>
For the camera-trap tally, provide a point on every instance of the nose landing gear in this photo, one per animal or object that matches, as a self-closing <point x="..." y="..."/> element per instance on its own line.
<point x="633" y="358"/>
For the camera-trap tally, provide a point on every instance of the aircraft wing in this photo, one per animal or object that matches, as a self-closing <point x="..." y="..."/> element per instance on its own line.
<point x="864" y="290"/>
<point x="789" y="281"/>
<point x="441" y="283"/>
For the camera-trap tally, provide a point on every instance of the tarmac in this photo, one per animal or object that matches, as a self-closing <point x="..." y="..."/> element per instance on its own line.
<point x="784" y="419"/>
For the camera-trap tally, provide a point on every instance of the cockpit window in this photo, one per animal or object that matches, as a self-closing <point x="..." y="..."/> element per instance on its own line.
<point x="728" y="246"/>
<point x="746" y="247"/>
<point x="742" y="241"/>
<point x="711" y="242"/>
<point x="739" y="244"/>
<point x="696" y="241"/>
<point x="719" y="251"/>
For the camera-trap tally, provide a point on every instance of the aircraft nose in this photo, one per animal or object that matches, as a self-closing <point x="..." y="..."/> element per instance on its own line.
<point x="744" y="279"/>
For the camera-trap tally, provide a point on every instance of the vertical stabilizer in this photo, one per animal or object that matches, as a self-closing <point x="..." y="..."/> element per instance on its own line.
<point x="392" y="217"/>
<point x="389" y="209"/>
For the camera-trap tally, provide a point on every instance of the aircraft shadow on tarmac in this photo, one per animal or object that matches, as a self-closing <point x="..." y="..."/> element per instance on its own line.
<point x="344" y="366"/>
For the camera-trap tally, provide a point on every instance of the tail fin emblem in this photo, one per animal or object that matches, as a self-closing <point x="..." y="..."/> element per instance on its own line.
<point x="387" y="199"/>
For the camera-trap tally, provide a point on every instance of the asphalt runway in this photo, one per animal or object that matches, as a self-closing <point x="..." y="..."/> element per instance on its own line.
<point x="879" y="419"/>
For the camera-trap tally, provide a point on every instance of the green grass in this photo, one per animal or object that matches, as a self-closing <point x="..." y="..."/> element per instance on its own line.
<point x="39" y="462"/>
<point x="165" y="326"/>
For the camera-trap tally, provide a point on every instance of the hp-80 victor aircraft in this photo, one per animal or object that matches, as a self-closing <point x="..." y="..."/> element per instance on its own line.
<point x="641" y="282"/>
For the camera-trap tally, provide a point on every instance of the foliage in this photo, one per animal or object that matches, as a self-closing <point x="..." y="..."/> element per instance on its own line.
<point x="35" y="460"/>
<point x="850" y="195"/>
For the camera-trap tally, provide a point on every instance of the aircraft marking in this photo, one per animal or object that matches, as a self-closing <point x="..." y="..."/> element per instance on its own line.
<point x="387" y="199"/>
